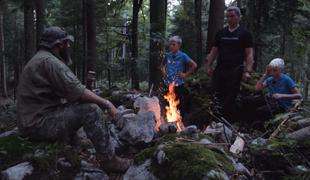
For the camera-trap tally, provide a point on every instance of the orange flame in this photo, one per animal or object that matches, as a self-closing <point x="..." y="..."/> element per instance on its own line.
<point x="172" y="113"/>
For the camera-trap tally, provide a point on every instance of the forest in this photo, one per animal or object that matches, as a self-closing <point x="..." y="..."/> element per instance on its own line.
<point x="117" y="53"/>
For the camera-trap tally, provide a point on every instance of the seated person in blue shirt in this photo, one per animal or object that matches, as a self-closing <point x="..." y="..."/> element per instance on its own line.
<point x="282" y="90"/>
<point x="175" y="67"/>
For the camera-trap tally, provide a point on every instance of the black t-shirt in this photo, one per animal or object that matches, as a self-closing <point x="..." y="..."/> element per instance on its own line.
<point x="231" y="46"/>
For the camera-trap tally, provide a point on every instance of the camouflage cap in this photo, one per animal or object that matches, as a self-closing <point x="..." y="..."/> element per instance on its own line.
<point x="54" y="35"/>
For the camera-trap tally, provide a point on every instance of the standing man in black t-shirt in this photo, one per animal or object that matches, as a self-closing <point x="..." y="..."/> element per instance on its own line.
<point x="233" y="49"/>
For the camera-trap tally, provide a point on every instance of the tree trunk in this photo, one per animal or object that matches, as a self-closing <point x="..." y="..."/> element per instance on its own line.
<point x="216" y="20"/>
<point x="158" y="10"/>
<point x="29" y="30"/>
<point x="91" y="43"/>
<point x="198" y="31"/>
<point x="40" y="16"/>
<point x="134" y="47"/>
<point x="84" y="37"/>
<point x="2" y="56"/>
<point x="307" y="78"/>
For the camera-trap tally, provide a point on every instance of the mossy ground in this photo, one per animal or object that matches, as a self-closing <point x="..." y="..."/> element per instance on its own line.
<point x="14" y="149"/>
<point x="190" y="161"/>
<point x="184" y="160"/>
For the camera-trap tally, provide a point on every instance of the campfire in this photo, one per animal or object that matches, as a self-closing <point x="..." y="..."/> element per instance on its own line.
<point x="173" y="115"/>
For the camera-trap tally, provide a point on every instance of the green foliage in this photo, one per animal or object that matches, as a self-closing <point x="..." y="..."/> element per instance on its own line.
<point x="184" y="26"/>
<point x="43" y="155"/>
<point x="199" y="88"/>
<point x="13" y="149"/>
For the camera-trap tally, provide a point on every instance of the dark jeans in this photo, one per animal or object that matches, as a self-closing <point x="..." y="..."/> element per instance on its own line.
<point x="260" y="108"/>
<point x="226" y="86"/>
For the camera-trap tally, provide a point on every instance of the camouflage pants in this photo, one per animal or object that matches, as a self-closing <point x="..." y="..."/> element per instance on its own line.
<point x="64" y="122"/>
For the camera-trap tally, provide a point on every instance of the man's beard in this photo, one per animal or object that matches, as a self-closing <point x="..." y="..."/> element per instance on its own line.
<point x="65" y="54"/>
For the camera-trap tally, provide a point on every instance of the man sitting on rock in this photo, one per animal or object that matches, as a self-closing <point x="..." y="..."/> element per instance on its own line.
<point x="52" y="104"/>
<point x="282" y="90"/>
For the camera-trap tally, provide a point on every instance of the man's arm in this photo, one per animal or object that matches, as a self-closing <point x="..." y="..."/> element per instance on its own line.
<point x="249" y="61"/>
<point x="295" y="95"/>
<point x="210" y="59"/>
<point x="192" y="66"/>
<point x="90" y="97"/>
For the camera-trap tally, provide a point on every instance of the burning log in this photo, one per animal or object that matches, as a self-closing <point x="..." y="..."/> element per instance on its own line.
<point x="172" y="112"/>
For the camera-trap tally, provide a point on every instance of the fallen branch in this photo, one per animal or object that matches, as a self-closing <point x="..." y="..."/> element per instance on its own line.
<point x="225" y="122"/>
<point x="279" y="129"/>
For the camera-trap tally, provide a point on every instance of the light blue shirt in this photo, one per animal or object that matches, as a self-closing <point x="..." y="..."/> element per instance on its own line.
<point x="175" y="63"/>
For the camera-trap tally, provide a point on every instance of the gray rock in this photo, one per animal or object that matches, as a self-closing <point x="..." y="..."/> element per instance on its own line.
<point x="205" y="141"/>
<point x="161" y="157"/>
<point x="89" y="172"/>
<point x="220" y="132"/>
<point x="141" y="172"/>
<point x="166" y="128"/>
<point x="241" y="169"/>
<point x="17" y="172"/>
<point x="304" y="122"/>
<point x="122" y="118"/>
<point x="300" y="135"/>
<point x="216" y="174"/>
<point x="259" y="141"/>
<point x="190" y="131"/>
<point x="149" y="104"/>
<point x="63" y="163"/>
<point x="13" y="132"/>
<point x="301" y="169"/>
<point x="138" y="128"/>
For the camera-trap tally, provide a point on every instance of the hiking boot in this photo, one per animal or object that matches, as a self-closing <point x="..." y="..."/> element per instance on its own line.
<point x="116" y="164"/>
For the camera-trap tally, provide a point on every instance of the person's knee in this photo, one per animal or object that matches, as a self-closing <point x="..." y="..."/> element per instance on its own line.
<point x="94" y="107"/>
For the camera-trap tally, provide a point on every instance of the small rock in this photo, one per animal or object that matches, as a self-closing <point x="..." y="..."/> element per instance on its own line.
<point x="190" y="131"/>
<point x="62" y="162"/>
<point x="221" y="132"/>
<point x="13" y="132"/>
<point x="213" y="174"/>
<point x="301" y="169"/>
<point x="241" y="169"/>
<point x="205" y="141"/>
<point x="141" y="172"/>
<point x="17" y="172"/>
<point x="89" y="172"/>
<point x="166" y="128"/>
<point x="161" y="157"/>
<point x="39" y="153"/>
<point x="259" y="141"/>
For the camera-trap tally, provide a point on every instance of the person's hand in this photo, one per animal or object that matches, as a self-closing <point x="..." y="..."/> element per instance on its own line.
<point x="113" y="112"/>
<point x="277" y="96"/>
<point x="182" y="75"/>
<point x="247" y="76"/>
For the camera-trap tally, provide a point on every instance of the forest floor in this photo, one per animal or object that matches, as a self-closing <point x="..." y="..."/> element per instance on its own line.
<point x="208" y="150"/>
